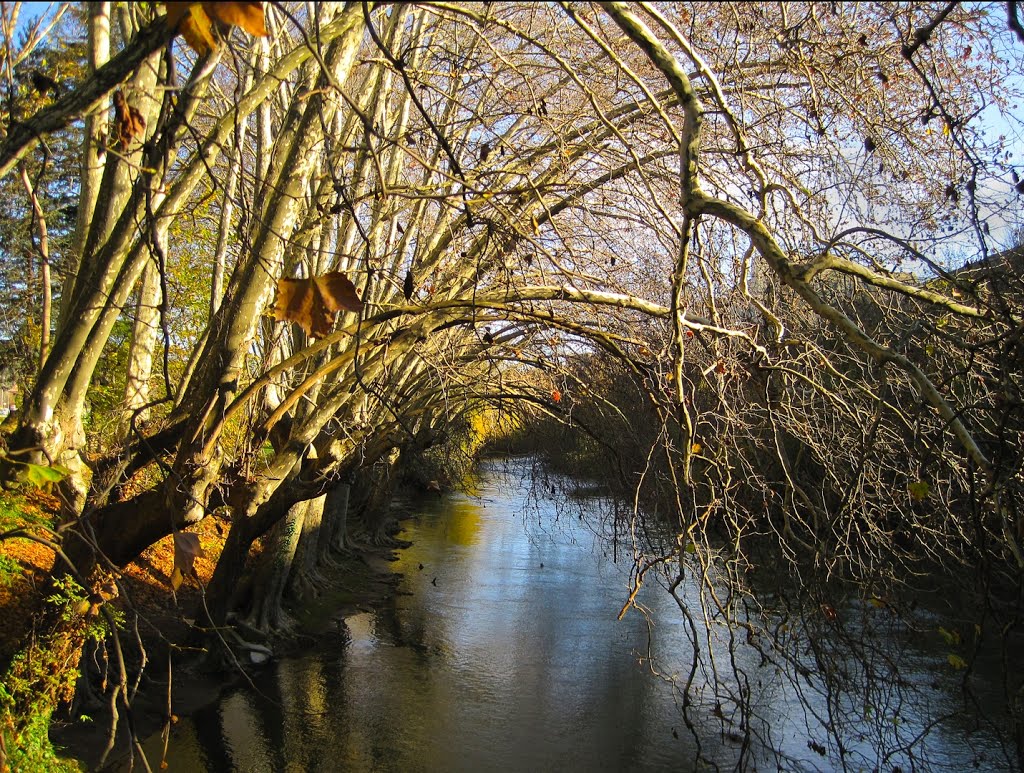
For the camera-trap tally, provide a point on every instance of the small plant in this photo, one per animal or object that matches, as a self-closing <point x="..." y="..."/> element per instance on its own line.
<point x="9" y="570"/>
<point x="43" y="676"/>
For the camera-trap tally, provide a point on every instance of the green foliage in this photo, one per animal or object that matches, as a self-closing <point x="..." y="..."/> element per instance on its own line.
<point x="28" y="743"/>
<point x="38" y="476"/>
<point x="44" y="477"/>
<point x="14" y="513"/>
<point x="42" y="677"/>
<point x="9" y="570"/>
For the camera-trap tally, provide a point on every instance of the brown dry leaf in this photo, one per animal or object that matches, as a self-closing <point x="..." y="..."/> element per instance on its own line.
<point x="195" y="21"/>
<point x="313" y="304"/>
<point x="128" y="121"/>
<point x="186" y="550"/>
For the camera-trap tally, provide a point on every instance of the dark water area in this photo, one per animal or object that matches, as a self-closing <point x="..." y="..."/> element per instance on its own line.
<point x="503" y="653"/>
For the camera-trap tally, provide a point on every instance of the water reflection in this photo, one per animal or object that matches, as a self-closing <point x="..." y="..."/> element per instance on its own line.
<point x="506" y="655"/>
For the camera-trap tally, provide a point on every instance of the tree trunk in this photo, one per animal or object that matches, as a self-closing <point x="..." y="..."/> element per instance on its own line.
<point x="335" y="522"/>
<point x="145" y="335"/>
<point x="305" y="580"/>
<point x="92" y="163"/>
<point x="273" y="571"/>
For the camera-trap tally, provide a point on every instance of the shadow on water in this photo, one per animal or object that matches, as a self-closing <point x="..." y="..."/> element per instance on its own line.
<point x="504" y="653"/>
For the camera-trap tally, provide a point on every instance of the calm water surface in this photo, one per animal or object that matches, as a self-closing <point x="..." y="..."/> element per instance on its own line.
<point x="506" y="654"/>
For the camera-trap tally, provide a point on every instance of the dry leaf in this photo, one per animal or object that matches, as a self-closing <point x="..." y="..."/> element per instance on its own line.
<point x="128" y="122"/>
<point x="196" y="21"/>
<point x="186" y="550"/>
<point x="556" y="395"/>
<point x="248" y="16"/>
<point x="313" y="304"/>
<point x="192" y="22"/>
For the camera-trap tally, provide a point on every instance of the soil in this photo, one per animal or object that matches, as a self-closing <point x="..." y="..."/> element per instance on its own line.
<point x="357" y="582"/>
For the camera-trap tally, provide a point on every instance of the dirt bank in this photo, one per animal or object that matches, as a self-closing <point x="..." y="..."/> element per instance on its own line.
<point x="355" y="582"/>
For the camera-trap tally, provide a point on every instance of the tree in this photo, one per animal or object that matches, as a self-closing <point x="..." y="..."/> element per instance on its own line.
<point x="748" y="219"/>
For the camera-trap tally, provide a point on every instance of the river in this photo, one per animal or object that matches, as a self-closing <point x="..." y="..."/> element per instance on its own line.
<point x="503" y="652"/>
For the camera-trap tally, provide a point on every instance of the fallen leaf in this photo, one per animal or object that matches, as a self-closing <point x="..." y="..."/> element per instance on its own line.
<point x="313" y="304"/>
<point x="919" y="490"/>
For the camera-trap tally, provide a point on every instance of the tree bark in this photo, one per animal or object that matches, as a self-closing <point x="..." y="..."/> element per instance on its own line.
<point x="336" y="520"/>
<point x="145" y="336"/>
<point x="305" y="580"/>
<point x="91" y="163"/>
<point x="272" y="573"/>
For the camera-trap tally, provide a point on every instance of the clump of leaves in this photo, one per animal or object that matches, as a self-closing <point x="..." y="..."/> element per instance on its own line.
<point x="9" y="570"/>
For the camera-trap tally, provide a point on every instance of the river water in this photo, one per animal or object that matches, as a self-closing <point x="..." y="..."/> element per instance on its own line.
<point x="503" y="653"/>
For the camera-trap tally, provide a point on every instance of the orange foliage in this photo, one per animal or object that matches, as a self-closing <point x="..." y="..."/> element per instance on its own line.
<point x="196" y="21"/>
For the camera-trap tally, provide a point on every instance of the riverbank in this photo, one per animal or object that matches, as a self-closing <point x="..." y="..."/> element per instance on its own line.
<point x="356" y="582"/>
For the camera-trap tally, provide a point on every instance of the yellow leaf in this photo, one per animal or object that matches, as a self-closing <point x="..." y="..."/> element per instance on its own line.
<point x="945" y="130"/>
<point x="195" y="21"/>
<point x="696" y="448"/>
<point x="194" y="24"/>
<point x="956" y="661"/>
<point x="248" y="16"/>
